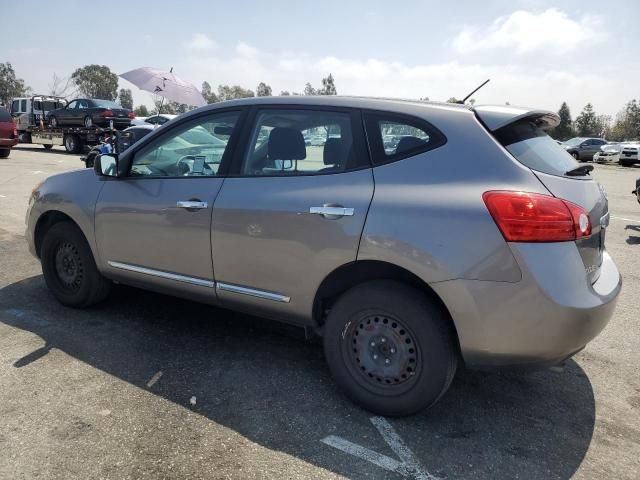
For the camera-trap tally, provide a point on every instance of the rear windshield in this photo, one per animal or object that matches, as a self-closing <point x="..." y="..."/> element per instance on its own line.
<point x="106" y="104"/>
<point x="5" y="116"/>
<point x="532" y="147"/>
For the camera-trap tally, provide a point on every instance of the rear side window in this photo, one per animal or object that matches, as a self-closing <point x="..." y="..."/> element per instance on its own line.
<point x="532" y="147"/>
<point x="5" y="116"/>
<point x="394" y="137"/>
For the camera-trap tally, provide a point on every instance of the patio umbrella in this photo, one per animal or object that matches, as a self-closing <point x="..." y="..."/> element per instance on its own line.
<point x="165" y="84"/>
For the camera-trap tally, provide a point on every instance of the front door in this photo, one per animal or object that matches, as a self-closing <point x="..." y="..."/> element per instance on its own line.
<point x="153" y="226"/>
<point x="293" y="211"/>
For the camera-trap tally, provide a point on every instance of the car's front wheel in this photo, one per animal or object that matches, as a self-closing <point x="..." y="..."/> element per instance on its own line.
<point x="88" y="122"/>
<point x="4" y="153"/>
<point x="575" y="155"/>
<point x="69" y="268"/>
<point x="53" y="121"/>
<point x="390" y="348"/>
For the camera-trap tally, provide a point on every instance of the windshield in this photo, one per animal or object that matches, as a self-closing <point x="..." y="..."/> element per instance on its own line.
<point x="106" y="104"/>
<point x="200" y="136"/>
<point x="574" y="141"/>
<point x="532" y="147"/>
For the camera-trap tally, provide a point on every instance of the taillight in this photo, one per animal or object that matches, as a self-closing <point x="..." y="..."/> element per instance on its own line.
<point x="131" y="115"/>
<point x="533" y="217"/>
<point x="15" y="131"/>
<point x="106" y="113"/>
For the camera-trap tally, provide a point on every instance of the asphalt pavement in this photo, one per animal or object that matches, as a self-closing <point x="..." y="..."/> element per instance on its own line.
<point x="147" y="386"/>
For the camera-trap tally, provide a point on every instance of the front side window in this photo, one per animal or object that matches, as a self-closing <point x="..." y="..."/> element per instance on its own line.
<point x="15" y="106"/>
<point x="23" y="106"/>
<point x="299" y="142"/>
<point x="396" y="137"/>
<point x="73" y="105"/>
<point x="194" y="149"/>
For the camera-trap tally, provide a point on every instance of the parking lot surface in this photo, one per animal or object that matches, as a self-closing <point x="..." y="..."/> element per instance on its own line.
<point x="149" y="386"/>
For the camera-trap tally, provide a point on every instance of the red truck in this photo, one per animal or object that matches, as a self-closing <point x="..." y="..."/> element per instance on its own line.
<point x="8" y="133"/>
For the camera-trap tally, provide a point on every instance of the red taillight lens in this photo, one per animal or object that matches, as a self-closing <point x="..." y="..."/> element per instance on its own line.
<point x="131" y="115"/>
<point x="532" y="217"/>
<point x="106" y="113"/>
<point x="15" y="131"/>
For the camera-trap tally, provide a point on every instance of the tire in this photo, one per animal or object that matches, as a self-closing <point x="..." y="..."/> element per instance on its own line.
<point x="87" y="122"/>
<point x="47" y="147"/>
<point x="4" y="153"/>
<point x="69" y="268"/>
<point x="53" y="121"/>
<point x="386" y="322"/>
<point x="71" y="143"/>
<point x="576" y="156"/>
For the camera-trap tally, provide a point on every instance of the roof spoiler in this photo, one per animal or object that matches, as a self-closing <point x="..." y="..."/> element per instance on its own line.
<point x="495" y="117"/>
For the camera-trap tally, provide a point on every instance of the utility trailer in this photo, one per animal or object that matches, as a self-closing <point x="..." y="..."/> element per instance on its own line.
<point x="30" y="115"/>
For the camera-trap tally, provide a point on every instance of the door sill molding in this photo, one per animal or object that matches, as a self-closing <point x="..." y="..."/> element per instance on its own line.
<point x="252" y="292"/>
<point x="159" y="273"/>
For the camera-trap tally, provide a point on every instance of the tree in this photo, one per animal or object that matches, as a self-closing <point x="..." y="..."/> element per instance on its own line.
<point x="96" y="81"/>
<point x="564" y="130"/>
<point x="284" y="93"/>
<point x="603" y="125"/>
<point x="328" y="86"/>
<point x="10" y="85"/>
<point x="141" y="111"/>
<point x="263" y="90"/>
<point x="586" y="122"/>
<point x="225" y="92"/>
<point x="60" y="86"/>
<point x="126" y="98"/>
<point x="627" y="124"/>
<point x="309" y="90"/>
<point x="452" y="100"/>
<point x="208" y="93"/>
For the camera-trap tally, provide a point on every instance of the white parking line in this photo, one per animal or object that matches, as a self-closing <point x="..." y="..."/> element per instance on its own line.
<point x="636" y="220"/>
<point x="408" y="467"/>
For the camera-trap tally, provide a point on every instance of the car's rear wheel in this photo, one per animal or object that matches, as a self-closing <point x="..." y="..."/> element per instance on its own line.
<point x="390" y="348"/>
<point x="71" y="143"/>
<point x="69" y="268"/>
<point x="4" y="153"/>
<point x="53" y="121"/>
<point x="575" y="155"/>
<point x="88" y="122"/>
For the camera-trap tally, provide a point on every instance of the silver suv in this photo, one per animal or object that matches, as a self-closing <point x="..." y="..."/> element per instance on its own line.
<point x="473" y="239"/>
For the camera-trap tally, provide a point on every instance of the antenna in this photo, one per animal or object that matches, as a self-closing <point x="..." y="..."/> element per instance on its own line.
<point x="461" y="102"/>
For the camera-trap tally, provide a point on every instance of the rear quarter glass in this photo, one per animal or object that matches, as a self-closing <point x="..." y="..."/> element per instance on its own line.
<point x="5" y="116"/>
<point x="532" y="147"/>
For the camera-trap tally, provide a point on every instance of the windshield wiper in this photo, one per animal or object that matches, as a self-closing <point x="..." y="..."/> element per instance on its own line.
<point x="579" y="171"/>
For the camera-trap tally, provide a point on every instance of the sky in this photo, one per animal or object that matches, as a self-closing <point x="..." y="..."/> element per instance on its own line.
<point x="536" y="53"/>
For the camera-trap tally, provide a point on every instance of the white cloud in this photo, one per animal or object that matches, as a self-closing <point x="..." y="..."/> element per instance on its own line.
<point x="552" y="31"/>
<point x="245" y="50"/>
<point x="200" y="41"/>
<point x="519" y="84"/>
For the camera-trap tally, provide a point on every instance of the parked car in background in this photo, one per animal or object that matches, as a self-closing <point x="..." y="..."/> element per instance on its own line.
<point x="636" y="192"/>
<point x="629" y="154"/>
<point x="90" y="112"/>
<point x="499" y="261"/>
<point x="583" y="149"/>
<point x="8" y="133"/>
<point x="609" y="153"/>
<point x="154" y="119"/>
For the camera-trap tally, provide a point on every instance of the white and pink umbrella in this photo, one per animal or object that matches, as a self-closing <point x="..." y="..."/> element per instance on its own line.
<point x="166" y="85"/>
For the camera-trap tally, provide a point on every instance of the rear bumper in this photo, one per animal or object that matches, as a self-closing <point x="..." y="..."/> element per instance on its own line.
<point x="8" y="142"/>
<point x="551" y="314"/>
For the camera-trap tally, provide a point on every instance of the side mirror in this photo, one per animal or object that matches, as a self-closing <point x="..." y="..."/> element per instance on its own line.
<point x="106" y="165"/>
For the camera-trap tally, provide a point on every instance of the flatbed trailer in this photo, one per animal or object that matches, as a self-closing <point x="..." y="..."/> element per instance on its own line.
<point x="73" y="139"/>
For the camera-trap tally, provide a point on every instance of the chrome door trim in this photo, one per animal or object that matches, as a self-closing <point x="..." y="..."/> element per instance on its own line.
<point x="191" y="204"/>
<point x="159" y="273"/>
<point x="276" y="297"/>
<point x="335" y="211"/>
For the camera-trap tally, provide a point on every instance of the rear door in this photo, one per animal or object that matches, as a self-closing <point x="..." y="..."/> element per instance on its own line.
<point x="290" y="213"/>
<point x="531" y="146"/>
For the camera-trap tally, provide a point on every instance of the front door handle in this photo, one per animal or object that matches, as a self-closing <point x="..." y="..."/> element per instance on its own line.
<point x="191" y="204"/>
<point x="332" y="211"/>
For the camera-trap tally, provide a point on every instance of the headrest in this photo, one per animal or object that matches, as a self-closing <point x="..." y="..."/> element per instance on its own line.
<point x="409" y="143"/>
<point x="334" y="152"/>
<point x="286" y="144"/>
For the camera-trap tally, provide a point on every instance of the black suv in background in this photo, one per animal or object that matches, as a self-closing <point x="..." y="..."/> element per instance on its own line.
<point x="582" y="148"/>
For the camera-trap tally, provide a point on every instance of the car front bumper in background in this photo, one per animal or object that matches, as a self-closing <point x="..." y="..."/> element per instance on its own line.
<point x="552" y="313"/>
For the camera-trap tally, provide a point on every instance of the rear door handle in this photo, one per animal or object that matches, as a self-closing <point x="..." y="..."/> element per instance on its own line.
<point x="191" y="204"/>
<point x="332" y="211"/>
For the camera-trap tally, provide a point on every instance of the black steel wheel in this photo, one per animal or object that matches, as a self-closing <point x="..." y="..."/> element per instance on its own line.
<point x="69" y="268"/>
<point x="53" y="121"/>
<point x="390" y="347"/>
<point x="88" y="122"/>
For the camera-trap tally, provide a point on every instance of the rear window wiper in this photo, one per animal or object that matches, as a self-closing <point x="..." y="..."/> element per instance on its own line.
<point x="579" y="171"/>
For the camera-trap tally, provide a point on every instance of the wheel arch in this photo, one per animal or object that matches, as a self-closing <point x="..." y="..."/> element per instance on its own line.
<point x="349" y="275"/>
<point x="47" y="220"/>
